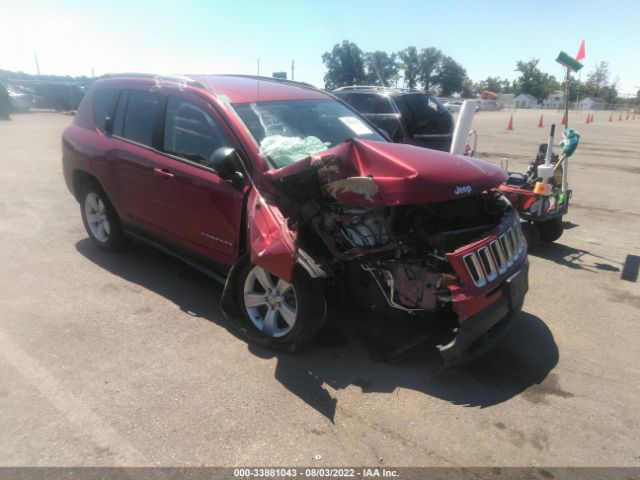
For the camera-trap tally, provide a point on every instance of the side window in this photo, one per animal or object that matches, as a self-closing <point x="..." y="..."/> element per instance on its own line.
<point x="190" y="132"/>
<point x="363" y="102"/>
<point x="140" y="116"/>
<point x="402" y="106"/>
<point x="118" y="122"/>
<point x="406" y="114"/>
<point x="383" y="104"/>
<point x="104" y="103"/>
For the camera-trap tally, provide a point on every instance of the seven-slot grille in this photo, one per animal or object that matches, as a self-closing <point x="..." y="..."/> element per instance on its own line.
<point x="485" y="264"/>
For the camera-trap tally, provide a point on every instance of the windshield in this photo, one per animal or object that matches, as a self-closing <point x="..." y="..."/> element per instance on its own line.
<point x="290" y="130"/>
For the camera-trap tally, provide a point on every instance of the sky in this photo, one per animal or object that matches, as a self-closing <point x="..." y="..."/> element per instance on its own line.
<point x="211" y="36"/>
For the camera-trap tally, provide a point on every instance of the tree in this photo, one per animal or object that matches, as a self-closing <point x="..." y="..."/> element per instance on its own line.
<point x="469" y="89"/>
<point x="533" y="81"/>
<point x="410" y="64"/>
<point x="598" y="79"/>
<point x="495" y="85"/>
<point x="382" y="69"/>
<point x="429" y="60"/>
<point x="610" y="92"/>
<point x="345" y="66"/>
<point x="450" y="76"/>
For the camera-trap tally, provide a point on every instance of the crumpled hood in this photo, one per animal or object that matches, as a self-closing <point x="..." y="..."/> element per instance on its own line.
<point x="368" y="173"/>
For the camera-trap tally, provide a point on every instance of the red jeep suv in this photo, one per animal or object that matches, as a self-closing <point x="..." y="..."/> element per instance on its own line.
<point x="282" y="191"/>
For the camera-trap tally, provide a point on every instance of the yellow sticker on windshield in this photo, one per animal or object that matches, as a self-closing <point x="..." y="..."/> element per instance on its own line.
<point x="356" y="125"/>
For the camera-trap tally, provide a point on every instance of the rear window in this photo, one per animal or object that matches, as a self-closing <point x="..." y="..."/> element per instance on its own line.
<point x="142" y="111"/>
<point x="104" y="102"/>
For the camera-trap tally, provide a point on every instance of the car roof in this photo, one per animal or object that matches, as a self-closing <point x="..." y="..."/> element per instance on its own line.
<point x="234" y="88"/>
<point x="244" y="89"/>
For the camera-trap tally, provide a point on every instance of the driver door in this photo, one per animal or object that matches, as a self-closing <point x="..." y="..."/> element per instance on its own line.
<point x="193" y="206"/>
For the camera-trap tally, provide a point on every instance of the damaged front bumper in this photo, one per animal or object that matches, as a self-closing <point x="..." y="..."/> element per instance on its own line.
<point x="482" y="331"/>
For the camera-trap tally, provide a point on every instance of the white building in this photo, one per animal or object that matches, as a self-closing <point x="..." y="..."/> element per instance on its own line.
<point x="555" y="100"/>
<point x="505" y="100"/>
<point x="525" y="100"/>
<point x="592" y="103"/>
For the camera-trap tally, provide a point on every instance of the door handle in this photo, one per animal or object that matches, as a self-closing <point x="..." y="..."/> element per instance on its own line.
<point x="163" y="172"/>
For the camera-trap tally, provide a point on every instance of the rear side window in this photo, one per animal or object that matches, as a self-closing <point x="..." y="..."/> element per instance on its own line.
<point x="190" y="132"/>
<point x="363" y="102"/>
<point x="120" y="110"/>
<point x="141" y="114"/>
<point x="383" y="104"/>
<point x="104" y="102"/>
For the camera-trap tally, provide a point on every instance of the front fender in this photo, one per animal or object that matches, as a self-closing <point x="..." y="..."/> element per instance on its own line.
<point x="272" y="244"/>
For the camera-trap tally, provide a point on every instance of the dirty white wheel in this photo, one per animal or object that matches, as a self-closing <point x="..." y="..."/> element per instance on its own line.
<point x="96" y="214"/>
<point x="271" y="303"/>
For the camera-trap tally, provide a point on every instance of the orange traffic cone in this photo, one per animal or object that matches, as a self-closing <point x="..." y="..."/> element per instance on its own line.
<point x="592" y="115"/>
<point x="540" y="122"/>
<point x="564" y="119"/>
<point x="611" y="117"/>
<point x="588" y="119"/>
<point x="510" y="125"/>
<point x="620" y="117"/>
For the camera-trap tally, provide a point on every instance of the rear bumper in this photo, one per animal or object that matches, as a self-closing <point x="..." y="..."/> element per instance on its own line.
<point x="482" y="331"/>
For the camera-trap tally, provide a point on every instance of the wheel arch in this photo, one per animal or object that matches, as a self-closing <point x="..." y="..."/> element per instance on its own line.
<point x="79" y="179"/>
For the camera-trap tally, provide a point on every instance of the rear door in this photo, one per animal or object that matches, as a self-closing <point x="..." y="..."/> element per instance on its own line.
<point x="364" y="103"/>
<point x="429" y="123"/>
<point x="128" y="173"/>
<point x="191" y="205"/>
<point x="388" y="118"/>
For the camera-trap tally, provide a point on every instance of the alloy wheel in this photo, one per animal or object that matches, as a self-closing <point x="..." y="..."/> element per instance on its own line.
<point x="96" y="214"/>
<point x="270" y="302"/>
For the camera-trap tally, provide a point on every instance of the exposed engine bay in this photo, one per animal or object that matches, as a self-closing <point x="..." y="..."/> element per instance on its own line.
<point x="391" y="256"/>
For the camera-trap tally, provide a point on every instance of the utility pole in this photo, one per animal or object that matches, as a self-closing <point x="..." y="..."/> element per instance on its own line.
<point x="93" y="75"/>
<point x="293" y="66"/>
<point x="35" y="55"/>
<point x="258" y="67"/>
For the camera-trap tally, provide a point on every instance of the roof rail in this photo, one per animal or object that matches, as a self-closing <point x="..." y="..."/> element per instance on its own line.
<point x="271" y="79"/>
<point x="376" y="88"/>
<point x="171" y="78"/>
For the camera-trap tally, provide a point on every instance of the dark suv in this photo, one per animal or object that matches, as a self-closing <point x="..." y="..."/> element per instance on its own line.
<point x="407" y="116"/>
<point x="281" y="192"/>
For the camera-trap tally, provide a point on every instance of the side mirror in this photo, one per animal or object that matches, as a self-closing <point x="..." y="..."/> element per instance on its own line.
<point x="108" y="125"/>
<point x="226" y="162"/>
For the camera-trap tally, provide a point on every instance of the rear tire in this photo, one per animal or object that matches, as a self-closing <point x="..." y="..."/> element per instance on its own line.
<point x="551" y="230"/>
<point x="276" y="314"/>
<point x="100" y="219"/>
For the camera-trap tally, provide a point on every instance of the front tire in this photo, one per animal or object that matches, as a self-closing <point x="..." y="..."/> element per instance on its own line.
<point x="550" y="230"/>
<point x="100" y="219"/>
<point x="531" y="234"/>
<point x="277" y="314"/>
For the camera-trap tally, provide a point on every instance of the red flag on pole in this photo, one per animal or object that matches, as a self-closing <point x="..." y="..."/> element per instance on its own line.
<point x="580" y="55"/>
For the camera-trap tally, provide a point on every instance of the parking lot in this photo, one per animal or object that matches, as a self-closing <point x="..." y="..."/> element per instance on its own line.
<point x="126" y="359"/>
